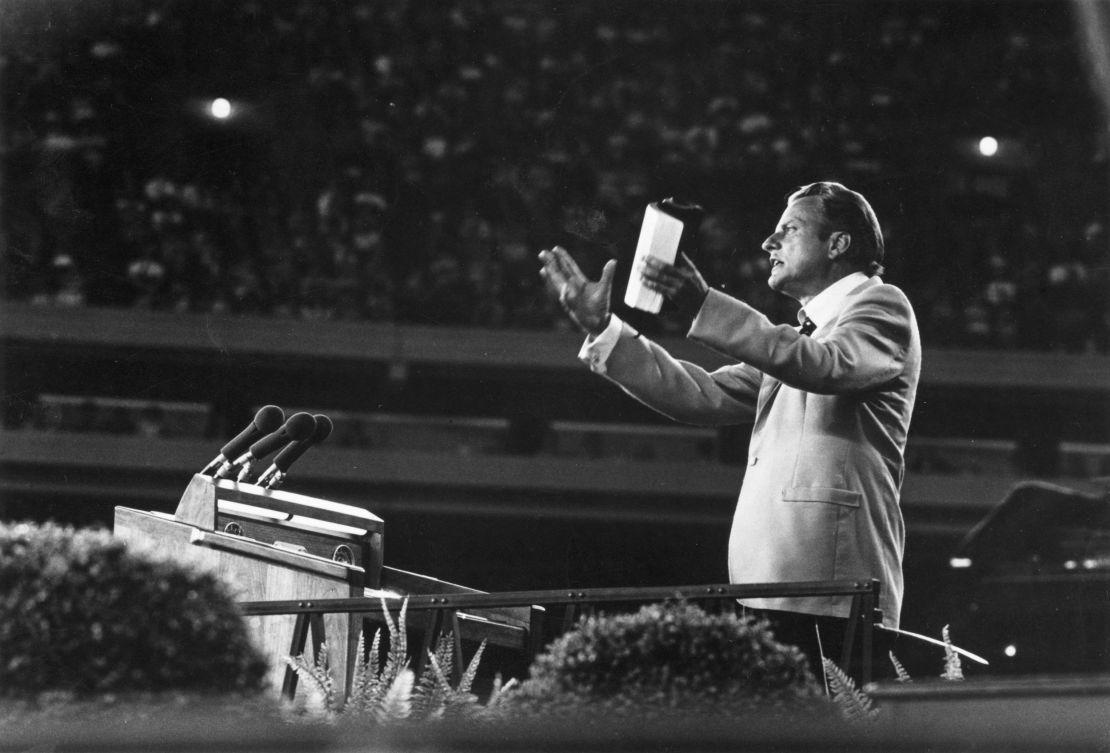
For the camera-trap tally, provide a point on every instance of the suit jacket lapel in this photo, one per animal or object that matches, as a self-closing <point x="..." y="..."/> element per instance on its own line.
<point x="868" y="283"/>
<point x="768" y="390"/>
<point x="771" y="385"/>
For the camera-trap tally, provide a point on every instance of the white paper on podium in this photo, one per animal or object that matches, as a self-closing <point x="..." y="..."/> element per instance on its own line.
<point x="660" y="234"/>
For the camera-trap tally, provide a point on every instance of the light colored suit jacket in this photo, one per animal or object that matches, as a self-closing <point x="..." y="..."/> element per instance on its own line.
<point x="820" y="496"/>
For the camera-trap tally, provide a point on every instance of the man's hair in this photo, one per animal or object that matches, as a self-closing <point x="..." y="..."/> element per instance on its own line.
<point x="847" y="211"/>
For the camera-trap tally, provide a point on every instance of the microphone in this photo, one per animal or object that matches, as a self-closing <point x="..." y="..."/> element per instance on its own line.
<point x="275" y="474"/>
<point x="268" y="419"/>
<point x="297" y="426"/>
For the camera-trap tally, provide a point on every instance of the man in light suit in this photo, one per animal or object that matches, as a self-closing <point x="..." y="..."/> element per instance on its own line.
<point x="830" y="403"/>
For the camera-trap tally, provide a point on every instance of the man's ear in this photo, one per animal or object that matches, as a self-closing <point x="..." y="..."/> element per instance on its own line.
<point x="839" y="243"/>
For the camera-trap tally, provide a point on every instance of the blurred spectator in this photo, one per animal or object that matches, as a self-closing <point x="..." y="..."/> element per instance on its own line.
<point x="150" y="422"/>
<point x="1068" y="296"/>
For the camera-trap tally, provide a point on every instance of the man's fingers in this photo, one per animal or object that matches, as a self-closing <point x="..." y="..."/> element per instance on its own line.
<point x="652" y="269"/>
<point x="554" y="285"/>
<point x="661" y="269"/>
<point x="689" y="270"/>
<point x="566" y="265"/>
<point x="554" y="278"/>
<point x="551" y="270"/>
<point x="565" y="279"/>
<point x="657" y="284"/>
<point x="607" y="273"/>
<point x="660" y="272"/>
<point x="548" y="272"/>
<point x="562" y="292"/>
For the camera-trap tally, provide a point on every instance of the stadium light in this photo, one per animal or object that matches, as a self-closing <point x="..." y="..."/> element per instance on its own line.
<point x="220" y="108"/>
<point x="988" y="146"/>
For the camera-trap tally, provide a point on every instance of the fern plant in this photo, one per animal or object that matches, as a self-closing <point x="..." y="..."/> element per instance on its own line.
<point x="321" y="697"/>
<point x="392" y="693"/>
<point x="853" y="703"/>
<point x="903" y="675"/>
<point x="434" y="697"/>
<point x="953" y="670"/>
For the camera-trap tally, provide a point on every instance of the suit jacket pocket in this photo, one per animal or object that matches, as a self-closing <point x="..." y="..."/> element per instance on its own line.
<point x="845" y="497"/>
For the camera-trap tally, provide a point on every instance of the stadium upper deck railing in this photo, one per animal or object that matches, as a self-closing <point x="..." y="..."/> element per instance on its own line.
<point x="228" y="335"/>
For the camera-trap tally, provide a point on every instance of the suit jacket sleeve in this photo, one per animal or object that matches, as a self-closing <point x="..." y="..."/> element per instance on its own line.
<point x="681" y="390"/>
<point x="866" y="347"/>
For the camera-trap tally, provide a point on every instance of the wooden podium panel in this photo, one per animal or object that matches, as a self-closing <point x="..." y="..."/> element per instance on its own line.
<point x="255" y="571"/>
<point x="332" y="530"/>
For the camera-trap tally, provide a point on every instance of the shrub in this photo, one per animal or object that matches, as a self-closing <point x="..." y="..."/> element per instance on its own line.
<point x="667" y="657"/>
<point x="81" y="614"/>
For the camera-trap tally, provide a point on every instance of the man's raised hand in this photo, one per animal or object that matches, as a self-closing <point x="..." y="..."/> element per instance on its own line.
<point x="680" y="283"/>
<point x="586" y="302"/>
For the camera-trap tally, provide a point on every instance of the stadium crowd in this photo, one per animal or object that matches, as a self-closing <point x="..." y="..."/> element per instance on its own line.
<point x="404" y="161"/>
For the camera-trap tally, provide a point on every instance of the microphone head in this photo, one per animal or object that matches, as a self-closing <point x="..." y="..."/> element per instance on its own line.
<point x="294" y="450"/>
<point x="298" y="426"/>
<point x="323" y="428"/>
<point x="268" y="419"/>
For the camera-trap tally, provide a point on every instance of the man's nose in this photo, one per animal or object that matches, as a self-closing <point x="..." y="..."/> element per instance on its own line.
<point x="771" y="243"/>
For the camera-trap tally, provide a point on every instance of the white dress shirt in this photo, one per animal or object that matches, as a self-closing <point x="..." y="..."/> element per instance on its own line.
<point x="825" y="306"/>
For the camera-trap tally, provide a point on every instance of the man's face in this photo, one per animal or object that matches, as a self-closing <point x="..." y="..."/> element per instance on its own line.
<point x="800" y="263"/>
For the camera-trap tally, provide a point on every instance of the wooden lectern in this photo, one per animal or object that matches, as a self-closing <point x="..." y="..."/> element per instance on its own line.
<point x="276" y="546"/>
<point x="269" y="545"/>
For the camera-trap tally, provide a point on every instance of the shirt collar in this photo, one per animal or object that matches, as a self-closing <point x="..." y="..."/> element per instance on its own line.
<point x="824" y="306"/>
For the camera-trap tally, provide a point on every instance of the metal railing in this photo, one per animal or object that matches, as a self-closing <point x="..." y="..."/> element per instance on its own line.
<point x="443" y="611"/>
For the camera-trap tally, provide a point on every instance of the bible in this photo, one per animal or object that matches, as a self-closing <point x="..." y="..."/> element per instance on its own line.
<point x="665" y="228"/>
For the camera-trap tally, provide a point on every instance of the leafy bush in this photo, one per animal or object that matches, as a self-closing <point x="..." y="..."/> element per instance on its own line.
<point x="81" y="614"/>
<point x="667" y="657"/>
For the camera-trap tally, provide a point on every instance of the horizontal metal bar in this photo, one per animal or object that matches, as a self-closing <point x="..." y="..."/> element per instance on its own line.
<point x="418" y="602"/>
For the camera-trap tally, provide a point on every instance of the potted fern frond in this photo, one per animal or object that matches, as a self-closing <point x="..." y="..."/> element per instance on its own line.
<point x="386" y="690"/>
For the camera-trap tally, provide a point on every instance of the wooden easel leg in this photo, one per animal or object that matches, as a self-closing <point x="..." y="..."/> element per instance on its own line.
<point x="319" y="637"/>
<point x="536" y="623"/>
<point x="867" y="628"/>
<point x="457" y="671"/>
<point x="431" y="638"/>
<point x="354" y="628"/>
<point x="570" y="616"/>
<point x="296" y="648"/>
<point x="850" y="632"/>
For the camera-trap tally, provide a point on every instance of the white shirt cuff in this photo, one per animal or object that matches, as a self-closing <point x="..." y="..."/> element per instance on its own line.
<point x="597" y="348"/>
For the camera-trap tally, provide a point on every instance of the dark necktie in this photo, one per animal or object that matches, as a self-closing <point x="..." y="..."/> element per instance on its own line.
<point x="807" y="327"/>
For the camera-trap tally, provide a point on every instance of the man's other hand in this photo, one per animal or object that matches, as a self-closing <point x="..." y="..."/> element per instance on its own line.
<point x="586" y="302"/>
<point x="680" y="283"/>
